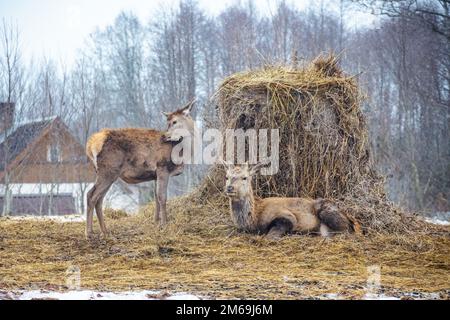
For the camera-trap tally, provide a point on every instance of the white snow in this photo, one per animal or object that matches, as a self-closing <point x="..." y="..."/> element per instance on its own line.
<point x="158" y="295"/>
<point x="100" y="295"/>
<point x="441" y="218"/>
<point x="61" y="219"/>
<point x="369" y="296"/>
<point x="382" y="296"/>
<point x="438" y="221"/>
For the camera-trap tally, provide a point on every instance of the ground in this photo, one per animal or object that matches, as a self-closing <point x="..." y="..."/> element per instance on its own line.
<point x="201" y="253"/>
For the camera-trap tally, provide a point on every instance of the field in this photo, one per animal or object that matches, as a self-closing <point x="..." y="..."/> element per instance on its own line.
<point x="201" y="253"/>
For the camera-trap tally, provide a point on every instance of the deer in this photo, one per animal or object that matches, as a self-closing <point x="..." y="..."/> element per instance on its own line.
<point x="136" y="155"/>
<point x="277" y="216"/>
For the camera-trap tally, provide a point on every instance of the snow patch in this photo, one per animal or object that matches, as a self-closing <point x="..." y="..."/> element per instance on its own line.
<point x="437" y="221"/>
<point x="440" y="218"/>
<point x="100" y="295"/>
<point x="382" y="296"/>
<point x="336" y="296"/>
<point x="60" y="219"/>
<point x="369" y="296"/>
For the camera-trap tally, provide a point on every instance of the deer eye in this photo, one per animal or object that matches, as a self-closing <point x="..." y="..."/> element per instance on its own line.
<point x="244" y="178"/>
<point x="173" y="123"/>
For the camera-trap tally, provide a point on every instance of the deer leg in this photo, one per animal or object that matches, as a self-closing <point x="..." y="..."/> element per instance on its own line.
<point x="90" y="211"/>
<point x="279" y="227"/>
<point x="161" y="195"/>
<point x="157" y="209"/>
<point x="98" y="191"/>
<point x="324" y="231"/>
<point x="333" y="220"/>
<point x="99" y="211"/>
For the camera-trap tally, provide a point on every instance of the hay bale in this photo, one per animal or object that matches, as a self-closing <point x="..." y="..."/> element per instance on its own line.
<point x="324" y="147"/>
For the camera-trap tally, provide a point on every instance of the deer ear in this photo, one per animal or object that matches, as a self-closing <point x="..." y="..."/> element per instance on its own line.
<point x="166" y="114"/>
<point x="224" y="163"/>
<point x="188" y="108"/>
<point x="254" y="169"/>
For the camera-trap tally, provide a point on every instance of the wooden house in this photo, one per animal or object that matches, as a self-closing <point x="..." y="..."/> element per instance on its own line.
<point x="43" y="167"/>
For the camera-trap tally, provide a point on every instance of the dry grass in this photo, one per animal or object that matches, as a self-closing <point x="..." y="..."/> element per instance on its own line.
<point x="115" y="213"/>
<point x="201" y="252"/>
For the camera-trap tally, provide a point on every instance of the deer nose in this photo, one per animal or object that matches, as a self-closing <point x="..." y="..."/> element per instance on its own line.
<point x="230" y="189"/>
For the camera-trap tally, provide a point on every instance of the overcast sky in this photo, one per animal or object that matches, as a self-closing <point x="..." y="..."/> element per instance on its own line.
<point x="58" y="28"/>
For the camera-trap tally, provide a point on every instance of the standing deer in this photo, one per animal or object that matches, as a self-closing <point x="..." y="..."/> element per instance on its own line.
<point x="135" y="155"/>
<point x="278" y="216"/>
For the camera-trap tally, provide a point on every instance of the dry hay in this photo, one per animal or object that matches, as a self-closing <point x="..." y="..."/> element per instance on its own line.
<point x="324" y="147"/>
<point x="200" y="252"/>
<point x="115" y="213"/>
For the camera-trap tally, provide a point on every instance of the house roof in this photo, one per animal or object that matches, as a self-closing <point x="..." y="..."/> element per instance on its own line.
<point x="20" y="138"/>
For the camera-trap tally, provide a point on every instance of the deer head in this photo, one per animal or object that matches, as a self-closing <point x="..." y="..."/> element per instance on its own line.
<point x="239" y="180"/>
<point x="179" y="123"/>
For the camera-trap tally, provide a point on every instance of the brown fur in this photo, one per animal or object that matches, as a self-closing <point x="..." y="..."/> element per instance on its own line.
<point x="302" y="215"/>
<point x="138" y="152"/>
<point x="135" y="156"/>
<point x="300" y="211"/>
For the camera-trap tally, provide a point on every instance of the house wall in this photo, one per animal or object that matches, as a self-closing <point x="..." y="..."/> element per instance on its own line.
<point x="73" y="166"/>
<point x="53" y="173"/>
<point x="71" y="150"/>
<point x="116" y="198"/>
<point x="77" y="190"/>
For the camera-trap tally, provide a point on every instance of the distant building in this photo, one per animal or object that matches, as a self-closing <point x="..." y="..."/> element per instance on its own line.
<point x="43" y="167"/>
<point x="39" y="204"/>
<point x="44" y="170"/>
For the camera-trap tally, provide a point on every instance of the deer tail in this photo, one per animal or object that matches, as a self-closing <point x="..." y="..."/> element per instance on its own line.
<point x="94" y="145"/>
<point x="355" y="225"/>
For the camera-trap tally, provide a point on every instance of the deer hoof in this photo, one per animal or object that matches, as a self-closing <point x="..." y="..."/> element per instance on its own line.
<point x="107" y="235"/>
<point x="162" y="224"/>
<point x="89" y="235"/>
<point x="273" y="236"/>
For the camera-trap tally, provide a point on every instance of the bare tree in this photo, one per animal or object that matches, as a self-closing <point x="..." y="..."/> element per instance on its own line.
<point x="11" y="86"/>
<point x="406" y="73"/>
<point x="433" y="13"/>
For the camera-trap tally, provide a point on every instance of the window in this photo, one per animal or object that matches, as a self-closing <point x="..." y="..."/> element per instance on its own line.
<point x="54" y="153"/>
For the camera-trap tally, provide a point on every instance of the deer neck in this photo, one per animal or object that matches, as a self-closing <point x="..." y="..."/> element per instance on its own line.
<point x="190" y="145"/>
<point x="242" y="212"/>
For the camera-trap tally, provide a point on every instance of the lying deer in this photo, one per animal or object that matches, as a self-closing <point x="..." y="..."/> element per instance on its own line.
<point x="278" y="216"/>
<point x="135" y="155"/>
